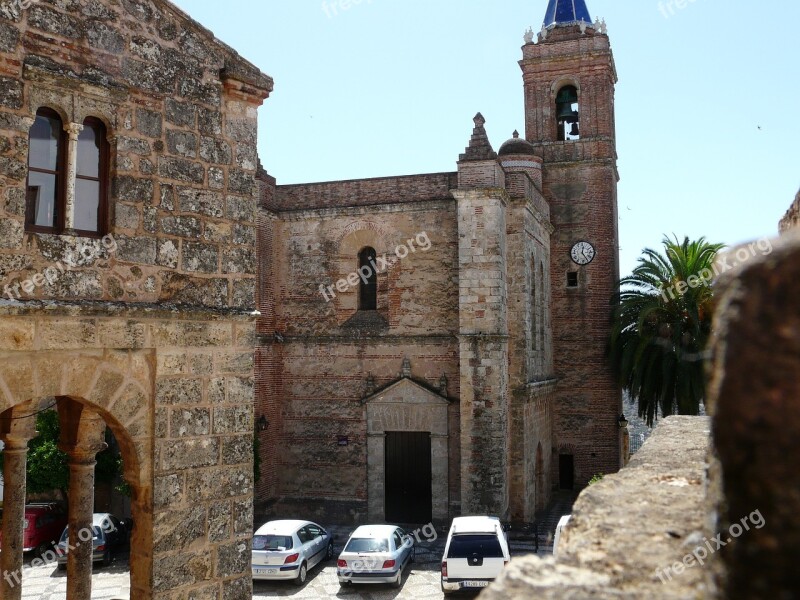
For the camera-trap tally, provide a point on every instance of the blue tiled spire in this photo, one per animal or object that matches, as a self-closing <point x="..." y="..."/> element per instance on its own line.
<point x="566" y="12"/>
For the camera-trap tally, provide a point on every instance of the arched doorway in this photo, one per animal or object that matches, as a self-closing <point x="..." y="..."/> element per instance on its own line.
<point x="90" y="393"/>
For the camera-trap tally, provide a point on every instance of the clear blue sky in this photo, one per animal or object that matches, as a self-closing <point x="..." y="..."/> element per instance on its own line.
<point x="389" y="87"/>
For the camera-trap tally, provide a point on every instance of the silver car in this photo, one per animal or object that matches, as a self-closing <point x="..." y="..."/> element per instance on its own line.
<point x="375" y="554"/>
<point x="289" y="549"/>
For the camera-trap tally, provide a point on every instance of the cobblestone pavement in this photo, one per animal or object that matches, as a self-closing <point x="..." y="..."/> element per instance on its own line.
<point x="111" y="583"/>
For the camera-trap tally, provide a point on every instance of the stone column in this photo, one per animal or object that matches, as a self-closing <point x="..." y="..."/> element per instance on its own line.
<point x="82" y="437"/>
<point x="73" y="130"/>
<point x="15" y="457"/>
<point x="17" y="428"/>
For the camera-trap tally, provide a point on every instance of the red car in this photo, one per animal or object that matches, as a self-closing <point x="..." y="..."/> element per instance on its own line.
<point x="43" y="526"/>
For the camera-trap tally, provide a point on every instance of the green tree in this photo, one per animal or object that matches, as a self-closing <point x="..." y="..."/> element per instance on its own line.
<point x="661" y="327"/>
<point x="47" y="465"/>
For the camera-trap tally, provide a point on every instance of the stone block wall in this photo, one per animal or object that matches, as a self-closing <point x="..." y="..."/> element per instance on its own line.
<point x="792" y="218"/>
<point x="177" y="393"/>
<point x="483" y="316"/>
<point x="180" y="112"/>
<point x="163" y="305"/>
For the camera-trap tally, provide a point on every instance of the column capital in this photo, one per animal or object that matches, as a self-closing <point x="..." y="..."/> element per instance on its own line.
<point x="82" y="454"/>
<point x="73" y="130"/>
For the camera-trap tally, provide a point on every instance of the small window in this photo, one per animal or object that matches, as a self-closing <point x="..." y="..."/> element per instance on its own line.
<point x="91" y="177"/>
<point x="45" y="187"/>
<point x="572" y="279"/>
<point x="368" y="292"/>
<point x="46" y="200"/>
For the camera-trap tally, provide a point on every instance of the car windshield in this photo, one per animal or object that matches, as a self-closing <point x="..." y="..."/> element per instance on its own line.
<point x="484" y="545"/>
<point x="97" y="534"/>
<point x="367" y="545"/>
<point x="272" y="542"/>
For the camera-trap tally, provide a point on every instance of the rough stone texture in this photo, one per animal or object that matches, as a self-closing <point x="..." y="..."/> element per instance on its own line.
<point x="161" y="95"/>
<point x="754" y="394"/>
<point x="150" y="327"/>
<point x="630" y="527"/>
<point x="792" y="217"/>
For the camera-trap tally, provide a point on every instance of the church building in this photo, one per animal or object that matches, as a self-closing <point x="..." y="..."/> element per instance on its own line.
<point x="435" y="345"/>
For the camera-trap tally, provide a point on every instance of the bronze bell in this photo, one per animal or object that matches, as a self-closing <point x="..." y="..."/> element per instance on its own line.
<point x="575" y="131"/>
<point x="566" y="114"/>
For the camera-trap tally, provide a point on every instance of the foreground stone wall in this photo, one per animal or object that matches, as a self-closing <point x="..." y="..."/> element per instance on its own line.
<point x="754" y="399"/>
<point x="629" y="531"/>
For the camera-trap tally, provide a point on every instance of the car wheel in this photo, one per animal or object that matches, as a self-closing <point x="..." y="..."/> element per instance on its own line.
<point x="399" y="581"/>
<point x="41" y="549"/>
<point x="302" y="575"/>
<point x="107" y="558"/>
<point x="413" y="555"/>
<point x="329" y="555"/>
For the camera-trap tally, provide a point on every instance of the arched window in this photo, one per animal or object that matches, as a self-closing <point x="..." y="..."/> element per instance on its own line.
<point x="45" y="187"/>
<point x="91" y="178"/>
<point x="568" y="114"/>
<point x="55" y="202"/>
<point x="368" y="292"/>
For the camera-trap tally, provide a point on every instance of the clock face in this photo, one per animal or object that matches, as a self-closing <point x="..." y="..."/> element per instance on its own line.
<point x="582" y="253"/>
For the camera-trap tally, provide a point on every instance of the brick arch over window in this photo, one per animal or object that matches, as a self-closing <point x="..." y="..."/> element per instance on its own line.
<point x="115" y="385"/>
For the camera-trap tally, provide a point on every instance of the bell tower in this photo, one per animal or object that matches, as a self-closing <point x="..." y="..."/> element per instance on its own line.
<point x="569" y="77"/>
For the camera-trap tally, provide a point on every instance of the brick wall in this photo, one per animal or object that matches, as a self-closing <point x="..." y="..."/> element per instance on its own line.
<point x="579" y="182"/>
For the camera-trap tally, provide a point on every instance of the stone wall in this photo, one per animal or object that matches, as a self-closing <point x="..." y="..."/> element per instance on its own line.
<point x="792" y="217"/>
<point x="183" y="157"/>
<point x="151" y="327"/>
<point x="177" y="393"/>
<point x="630" y="533"/>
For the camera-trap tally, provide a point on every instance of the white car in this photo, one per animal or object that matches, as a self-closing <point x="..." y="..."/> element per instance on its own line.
<point x="375" y="554"/>
<point x="475" y="554"/>
<point x="289" y="549"/>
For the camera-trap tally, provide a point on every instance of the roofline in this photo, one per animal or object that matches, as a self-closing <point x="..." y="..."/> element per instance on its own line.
<point x="247" y="72"/>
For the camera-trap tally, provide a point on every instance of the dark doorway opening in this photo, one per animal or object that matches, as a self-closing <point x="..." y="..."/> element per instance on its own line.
<point x="409" y="496"/>
<point x="566" y="471"/>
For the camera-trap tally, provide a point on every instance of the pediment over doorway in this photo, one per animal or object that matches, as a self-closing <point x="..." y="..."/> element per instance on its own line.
<point x="407" y="406"/>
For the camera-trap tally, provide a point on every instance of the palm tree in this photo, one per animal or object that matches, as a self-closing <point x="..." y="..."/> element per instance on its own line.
<point x="661" y="326"/>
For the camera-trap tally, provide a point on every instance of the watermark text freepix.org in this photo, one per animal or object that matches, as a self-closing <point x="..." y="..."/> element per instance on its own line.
<point x="724" y="263"/>
<point x="332" y="7"/>
<point x="699" y="555"/>
<point x="15" y="289"/>
<point x="379" y="265"/>
<point x="85" y="535"/>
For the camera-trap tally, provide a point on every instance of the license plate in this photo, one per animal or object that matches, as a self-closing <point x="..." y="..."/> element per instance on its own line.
<point x="265" y="571"/>
<point x="474" y="584"/>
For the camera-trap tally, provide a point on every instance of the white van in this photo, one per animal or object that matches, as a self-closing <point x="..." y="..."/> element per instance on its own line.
<point x="475" y="554"/>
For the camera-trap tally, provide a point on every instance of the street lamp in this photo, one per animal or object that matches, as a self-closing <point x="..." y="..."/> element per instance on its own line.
<point x="623" y="422"/>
